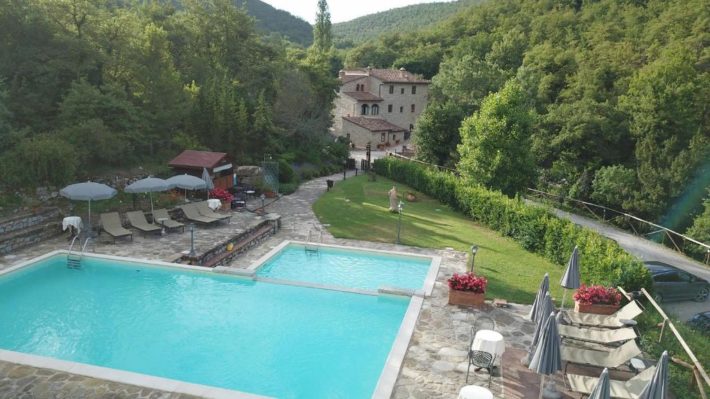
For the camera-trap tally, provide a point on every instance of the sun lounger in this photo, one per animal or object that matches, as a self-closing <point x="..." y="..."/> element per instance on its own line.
<point x="111" y="224"/>
<point x="205" y="210"/>
<point x="627" y="312"/>
<point x="612" y="359"/>
<point x="630" y="389"/>
<point x="192" y="214"/>
<point x="161" y="217"/>
<point x="604" y="336"/>
<point x="137" y="220"/>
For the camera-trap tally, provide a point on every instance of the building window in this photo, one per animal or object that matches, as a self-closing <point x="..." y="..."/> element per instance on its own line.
<point x="394" y="137"/>
<point x="414" y="89"/>
<point x="407" y="135"/>
<point x="389" y="108"/>
<point x="382" y="137"/>
<point x="365" y="109"/>
<point x="357" y="87"/>
<point x="391" y="89"/>
<point x="412" y="107"/>
<point x="375" y="109"/>
<point x="401" y="109"/>
<point x="402" y="91"/>
<point x="411" y="127"/>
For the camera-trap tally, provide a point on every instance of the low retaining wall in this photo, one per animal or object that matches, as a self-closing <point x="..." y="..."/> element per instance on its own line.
<point x="242" y="242"/>
<point x="29" y="229"/>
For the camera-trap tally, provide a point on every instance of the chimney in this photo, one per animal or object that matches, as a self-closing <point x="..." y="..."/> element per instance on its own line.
<point x="341" y="74"/>
<point x="368" y="69"/>
<point x="402" y="72"/>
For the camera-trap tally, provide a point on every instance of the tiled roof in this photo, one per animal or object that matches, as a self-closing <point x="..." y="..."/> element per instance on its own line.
<point x="386" y="75"/>
<point x="374" y="124"/>
<point x="198" y="159"/>
<point x="362" y="96"/>
<point x="352" y="78"/>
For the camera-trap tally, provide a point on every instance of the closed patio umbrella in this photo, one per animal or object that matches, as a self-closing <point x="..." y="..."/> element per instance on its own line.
<point x="602" y="390"/>
<point x="657" y="388"/>
<point x="186" y="182"/>
<point x="88" y="191"/>
<point x="547" y="358"/>
<point x="570" y="280"/>
<point x="541" y="291"/>
<point x="546" y="308"/>
<point x="148" y="185"/>
<point x="208" y="180"/>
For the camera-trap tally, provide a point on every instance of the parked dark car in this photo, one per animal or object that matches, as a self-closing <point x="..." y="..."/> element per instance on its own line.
<point x="701" y="322"/>
<point x="673" y="284"/>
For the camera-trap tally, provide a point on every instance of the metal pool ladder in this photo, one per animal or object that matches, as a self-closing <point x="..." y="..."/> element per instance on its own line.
<point x="74" y="259"/>
<point x="313" y="233"/>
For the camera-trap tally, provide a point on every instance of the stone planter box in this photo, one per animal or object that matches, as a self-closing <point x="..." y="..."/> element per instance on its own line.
<point x="596" y="309"/>
<point x="465" y="298"/>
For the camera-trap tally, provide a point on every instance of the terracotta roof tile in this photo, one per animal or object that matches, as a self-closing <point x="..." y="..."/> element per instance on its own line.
<point x="385" y="75"/>
<point x="374" y="124"/>
<point x="198" y="159"/>
<point x="362" y="96"/>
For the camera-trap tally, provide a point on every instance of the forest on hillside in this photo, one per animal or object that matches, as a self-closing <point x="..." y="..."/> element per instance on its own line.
<point x="403" y="19"/>
<point x="89" y="86"/>
<point x="600" y="100"/>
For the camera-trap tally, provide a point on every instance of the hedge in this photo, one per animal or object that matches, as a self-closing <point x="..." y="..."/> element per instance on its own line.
<point x="537" y="229"/>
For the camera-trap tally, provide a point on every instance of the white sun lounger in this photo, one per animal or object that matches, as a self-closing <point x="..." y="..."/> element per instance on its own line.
<point x="630" y="389"/>
<point x="604" y="336"/>
<point x="612" y="358"/>
<point x="627" y="312"/>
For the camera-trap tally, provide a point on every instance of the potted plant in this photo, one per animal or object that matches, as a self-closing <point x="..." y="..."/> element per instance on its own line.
<point x="224" y="196"/>
<point x="597" y="299"/>
<point x="467" y="289"/>
<point x="411" y="197"/>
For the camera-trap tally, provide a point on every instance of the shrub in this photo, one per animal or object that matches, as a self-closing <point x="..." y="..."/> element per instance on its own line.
<point x="536" y="228"/>
<point x="288" y="188"/>
<point x="597" y="295"/>
<point x="286" y="174"/>
<point x="468" y="282"/>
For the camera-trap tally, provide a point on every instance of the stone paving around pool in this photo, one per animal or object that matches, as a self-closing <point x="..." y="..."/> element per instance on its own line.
<point x="435" y="363"/>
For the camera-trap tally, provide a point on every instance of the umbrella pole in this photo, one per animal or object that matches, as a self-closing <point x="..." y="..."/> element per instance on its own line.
<point x="564" y="296"/>
<point x="542" y="386"/>
<point x="151" y="204"/>
<point x="89" y="221"/>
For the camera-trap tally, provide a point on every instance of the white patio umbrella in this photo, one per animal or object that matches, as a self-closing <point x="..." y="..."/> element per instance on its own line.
<point x="208" y="180"/>
<point x="547" y="358"/>
<point x="88" y="191"/>
<point x="570" y="280"/>
<point x="148" y="185"/>
<point x="186" y="182"/>
<point x="657" y="388"/>
<point x="541" y="291"/>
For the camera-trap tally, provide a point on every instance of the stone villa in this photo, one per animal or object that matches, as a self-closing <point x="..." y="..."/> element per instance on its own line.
<point x="379" y="106"/>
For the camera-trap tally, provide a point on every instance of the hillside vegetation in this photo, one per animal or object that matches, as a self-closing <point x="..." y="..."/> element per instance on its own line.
<point x="601" y="100"/>
<point x="403" y="19"/>
<point x="270" y="19"/>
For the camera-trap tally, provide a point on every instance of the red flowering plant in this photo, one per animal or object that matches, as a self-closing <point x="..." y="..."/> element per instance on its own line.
<point x="221" y="194"/>
<point x="597" y="295"/>
<point x="468" y="282"/>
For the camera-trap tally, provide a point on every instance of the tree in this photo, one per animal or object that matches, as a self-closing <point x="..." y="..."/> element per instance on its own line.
<point x="263" y="140"/>
<point x="437" y="133"/>
<point x="322" y="30"/>
<point x="615" y="186"/>
<point x="700" y="230"/>
<point x="495" y="141"/>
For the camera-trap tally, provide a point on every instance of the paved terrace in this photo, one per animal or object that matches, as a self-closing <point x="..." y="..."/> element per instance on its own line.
<point x="435" y="363"/>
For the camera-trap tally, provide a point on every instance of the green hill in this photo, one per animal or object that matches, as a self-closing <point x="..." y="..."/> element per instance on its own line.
<point x="270" y="19"/>
<point x="403" y="19"/>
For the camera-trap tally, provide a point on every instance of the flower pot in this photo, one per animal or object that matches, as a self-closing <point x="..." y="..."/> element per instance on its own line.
<point x="411" y="197"/>
<point x="269" y="194"/>
<point x="596" y="309"/>
<point x="466" y="298"/>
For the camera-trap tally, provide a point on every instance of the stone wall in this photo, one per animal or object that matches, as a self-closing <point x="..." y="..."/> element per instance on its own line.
<point x="28" y="229"/>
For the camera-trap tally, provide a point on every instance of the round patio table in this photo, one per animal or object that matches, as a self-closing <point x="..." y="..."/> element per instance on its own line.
<point x="474" y="392"/>
<point x="489" y="341"/>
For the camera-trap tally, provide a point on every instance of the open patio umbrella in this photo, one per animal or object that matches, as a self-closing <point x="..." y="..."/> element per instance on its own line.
<point x="148" y="185"/>
<point x="208" y="180"/>
<point x="541" y="291"/>
<point x="602" y="390"/>
<point x="88" y="191"/>
<point x="547" y="358"/>
<point x="186" y="182"/>
<point x="570" y="280"/>
<point x="546" y="307"/>
<point x="657" y="388"/>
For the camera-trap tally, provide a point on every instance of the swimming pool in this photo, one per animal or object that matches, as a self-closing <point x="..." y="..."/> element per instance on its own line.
<point x="184" y="324"/>
<point x="345" y="267"/>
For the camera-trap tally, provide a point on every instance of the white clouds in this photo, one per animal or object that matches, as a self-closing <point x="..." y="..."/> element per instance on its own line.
<point x="342" y="10"/>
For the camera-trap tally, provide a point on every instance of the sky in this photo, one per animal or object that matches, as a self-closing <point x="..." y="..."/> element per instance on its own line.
<point x="342" y="10"/>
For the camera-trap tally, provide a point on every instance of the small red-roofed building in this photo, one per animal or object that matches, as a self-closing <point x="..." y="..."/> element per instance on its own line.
<point x="218" y="165"/>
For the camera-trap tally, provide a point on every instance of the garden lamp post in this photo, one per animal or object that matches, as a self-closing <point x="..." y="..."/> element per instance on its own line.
<point x="263" y="197"/>
<point x="192" y="241"/>
<point x="399" y="221"/>
<point x="474" y="250"/>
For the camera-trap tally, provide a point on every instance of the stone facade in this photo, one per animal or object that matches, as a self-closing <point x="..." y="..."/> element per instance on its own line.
<point x="25" y="230"/>
<point x="395" y="96"/>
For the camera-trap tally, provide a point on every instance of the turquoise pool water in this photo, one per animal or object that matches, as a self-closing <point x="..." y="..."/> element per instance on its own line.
<point x="347" y="268"/>
<point x="268" y="339"/>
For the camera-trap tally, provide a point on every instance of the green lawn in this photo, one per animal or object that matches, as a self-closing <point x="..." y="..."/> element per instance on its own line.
<point x="358" y="209"/>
